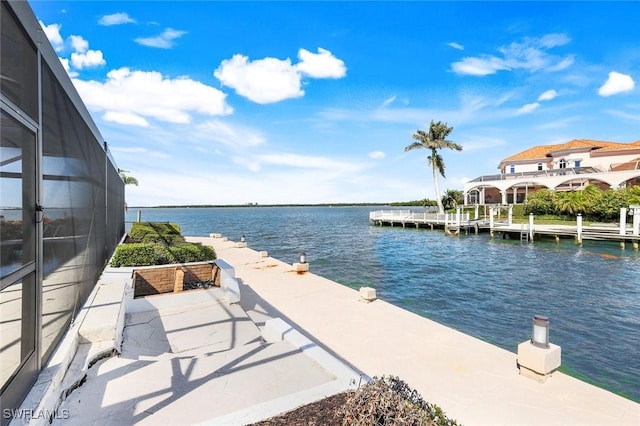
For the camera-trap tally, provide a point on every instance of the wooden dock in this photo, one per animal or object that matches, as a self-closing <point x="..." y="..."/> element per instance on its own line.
<point x="457" y="223"/>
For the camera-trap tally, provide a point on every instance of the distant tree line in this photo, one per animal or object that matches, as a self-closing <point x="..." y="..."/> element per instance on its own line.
<point x="593" y="203"/>
<point x="450" y="200"/>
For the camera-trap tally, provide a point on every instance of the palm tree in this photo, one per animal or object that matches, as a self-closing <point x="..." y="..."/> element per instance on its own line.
<point x="434" y="140"/>
<point x="128" y="180"/>
<point x="451" y="198"/>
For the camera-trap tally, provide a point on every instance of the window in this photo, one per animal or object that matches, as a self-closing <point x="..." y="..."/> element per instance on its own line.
<point x="539" y="166"/>
<point x="563" y="164"/>
<point x="577" y="163"/>
<point x="512" y="168"/>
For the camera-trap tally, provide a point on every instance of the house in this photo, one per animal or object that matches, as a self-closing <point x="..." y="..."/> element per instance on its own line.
<point x="570" y="166"/>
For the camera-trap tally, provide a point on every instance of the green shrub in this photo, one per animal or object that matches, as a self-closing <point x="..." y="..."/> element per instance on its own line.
<point x="141" y="254"/>
<point x="542" y="202"/>
<point x="165" y="239"/>
<point x="192" y="252"/>
<point x="153" y="231"/>
<point x="152" y="243"/>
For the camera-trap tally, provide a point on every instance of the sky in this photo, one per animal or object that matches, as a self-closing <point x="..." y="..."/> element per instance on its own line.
<point x="273" y="102"/>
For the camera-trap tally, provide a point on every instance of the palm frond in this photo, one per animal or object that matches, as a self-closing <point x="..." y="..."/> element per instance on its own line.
<point x="415" y="145"/>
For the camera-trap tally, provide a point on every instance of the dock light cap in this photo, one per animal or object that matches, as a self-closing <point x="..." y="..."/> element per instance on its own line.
<point x="540" y="331"/>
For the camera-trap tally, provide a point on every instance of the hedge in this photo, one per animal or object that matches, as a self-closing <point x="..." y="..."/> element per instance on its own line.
<point x="151" y="243"/>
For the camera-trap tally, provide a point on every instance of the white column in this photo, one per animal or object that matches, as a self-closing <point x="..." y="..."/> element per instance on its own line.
<point x="476" y="213"/>
<point x="515" y="195"/>
<point x="636" y="221"/>
<point x="623" y="220"/>
<point x="504" y="197"/>
<point x="510" y="220"/>
<point x="464" y="198"/>
<point x="458" y="216"/>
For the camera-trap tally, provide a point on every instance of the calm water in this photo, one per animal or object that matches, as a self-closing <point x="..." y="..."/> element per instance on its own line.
<point x="486" y="288"/>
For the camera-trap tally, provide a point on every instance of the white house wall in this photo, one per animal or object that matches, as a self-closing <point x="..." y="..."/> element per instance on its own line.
<point x="613" y="179"/>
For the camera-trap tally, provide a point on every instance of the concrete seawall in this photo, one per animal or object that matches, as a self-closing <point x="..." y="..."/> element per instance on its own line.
<point x="473" y="381"/>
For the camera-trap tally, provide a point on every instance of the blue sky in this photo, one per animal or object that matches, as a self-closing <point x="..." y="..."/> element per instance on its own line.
<point x="212" y="102"/>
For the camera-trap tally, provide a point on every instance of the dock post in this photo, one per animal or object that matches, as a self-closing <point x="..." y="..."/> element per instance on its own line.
<point x="623" y="220"/>
<point x="622" y="245"/>
<point x="491" y="222"/>
<point x="531" y="226"/>
<point x="476" y="213"/>
<point x="138" y="215"/>
<point x="579" y="228"/>
<point x="458" y="217"/>
<point x="510" y="216"/>
<point x="636" y="220"/>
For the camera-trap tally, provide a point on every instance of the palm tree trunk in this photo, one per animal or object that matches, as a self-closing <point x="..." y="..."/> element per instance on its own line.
<point x="436" y="186"/>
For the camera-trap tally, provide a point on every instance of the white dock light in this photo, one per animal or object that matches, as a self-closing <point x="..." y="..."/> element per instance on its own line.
<point x="540" y="331"/>
<point x="243" y="239"/>
<point x="303" y="257"/>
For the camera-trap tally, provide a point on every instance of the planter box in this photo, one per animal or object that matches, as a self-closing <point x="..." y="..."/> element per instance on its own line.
<point x="173" y="278"/>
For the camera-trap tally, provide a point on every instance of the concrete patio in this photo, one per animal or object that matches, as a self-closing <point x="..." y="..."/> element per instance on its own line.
<point x="179" y="358"/>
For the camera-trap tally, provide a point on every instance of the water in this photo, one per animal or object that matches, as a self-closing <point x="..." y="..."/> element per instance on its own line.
<point x="487" y="288"/>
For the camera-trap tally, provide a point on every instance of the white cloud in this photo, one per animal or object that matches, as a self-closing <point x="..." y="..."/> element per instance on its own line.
<point x="116" y="19"/>
<point x="455" y="45"/>
<point x="560" y="123"/>
<point x="65" y="63"/>
<point x="309" y="162"/>
<point x="127" y="118"/>
<point x="548" y="95"/>
<point x="477" y="143"/>
<point x="52" y="32"/>
<point x="616" y="83"/>
<point x="388" y="101"/>
<point x="270" y="80"/>
<point x="481" y="66"/>
<point x="320" y="65"/>
<point x="263" y="81"/>
<point x="90" y="59"/>
<point x="166" y="40"/>
<point x="624" y="114"/>
<point x="553" y="40"/>
<point x="131" y="97"/>
<point x="562" y="65"/>
<point x="81" y="57"/>
<point x="226" y="134"/>
<point x="530" y="54"/>
<point x="78" y="43"/>
<point x="377" y="155"/>
<point x="528" y="108"/>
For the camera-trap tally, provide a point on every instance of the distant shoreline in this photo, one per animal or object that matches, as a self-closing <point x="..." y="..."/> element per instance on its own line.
<point x="194" y="206"/>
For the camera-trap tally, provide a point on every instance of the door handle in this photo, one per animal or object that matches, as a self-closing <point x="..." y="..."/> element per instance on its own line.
<point x="39" y="213"/>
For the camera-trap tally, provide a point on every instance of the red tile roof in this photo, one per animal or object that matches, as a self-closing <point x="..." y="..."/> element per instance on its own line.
<point x="541" y="152"/>
<point x="630" y="165"/>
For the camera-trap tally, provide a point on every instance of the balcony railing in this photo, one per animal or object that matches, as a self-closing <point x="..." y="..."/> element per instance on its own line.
<point x="538" y="173"/>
